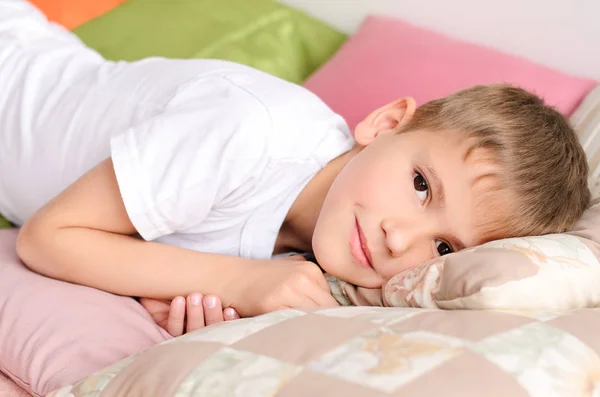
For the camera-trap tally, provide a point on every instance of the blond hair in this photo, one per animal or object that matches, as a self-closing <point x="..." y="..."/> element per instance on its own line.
<point x="542" y="162"/>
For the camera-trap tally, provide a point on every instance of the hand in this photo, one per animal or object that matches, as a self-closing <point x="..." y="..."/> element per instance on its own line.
<point x="270" y="285"/>
<point x="189" y="314"/>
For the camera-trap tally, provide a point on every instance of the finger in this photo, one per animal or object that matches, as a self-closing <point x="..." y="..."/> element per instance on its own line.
<point x="158" y="310"/>
<point x="322" y="298"/>
<point x="195" y="313"/>
<point x="176" y="316"/>
<point x="230" y="314"/>
<point x="213" y="312"/>
<point x="154" y="306"/>
<point x="301" y="300"/>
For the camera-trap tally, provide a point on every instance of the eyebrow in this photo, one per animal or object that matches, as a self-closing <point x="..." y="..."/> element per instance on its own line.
<point x="440" y="193"/>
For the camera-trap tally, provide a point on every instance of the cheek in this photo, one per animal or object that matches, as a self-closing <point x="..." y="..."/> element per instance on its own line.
<point x="377" y="183"/>
<point x="351" y="183"/>
<point x="374" y="188"/>
<point x="390" y="192"/>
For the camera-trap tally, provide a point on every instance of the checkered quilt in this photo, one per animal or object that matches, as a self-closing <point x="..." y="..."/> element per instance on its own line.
<point x="367" y="352"/>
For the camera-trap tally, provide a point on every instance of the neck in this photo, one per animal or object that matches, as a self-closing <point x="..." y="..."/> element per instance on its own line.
<point x="297" y="229"/>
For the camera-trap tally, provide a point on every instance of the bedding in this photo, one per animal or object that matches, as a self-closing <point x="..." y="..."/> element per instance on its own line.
<point x="368" y="352"/>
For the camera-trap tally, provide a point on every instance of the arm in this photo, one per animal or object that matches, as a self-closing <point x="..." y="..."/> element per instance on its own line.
<point x="84" y="236"/>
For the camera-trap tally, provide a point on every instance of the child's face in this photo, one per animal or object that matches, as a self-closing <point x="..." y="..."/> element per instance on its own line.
<point x="404" y="199"/>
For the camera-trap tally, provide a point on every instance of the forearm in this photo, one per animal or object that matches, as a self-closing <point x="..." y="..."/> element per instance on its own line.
<point x="125" y="265"/>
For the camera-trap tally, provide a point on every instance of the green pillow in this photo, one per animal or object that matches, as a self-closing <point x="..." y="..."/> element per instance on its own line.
<point x="260" y="33"/>
<point x="4" y="223"/>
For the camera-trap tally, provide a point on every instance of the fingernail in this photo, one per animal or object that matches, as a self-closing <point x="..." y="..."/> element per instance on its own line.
<point x="180" y="300"/>
<point x="210" y="301"/>
<point x="229" y="313"/>
<point x="196" y="299"/>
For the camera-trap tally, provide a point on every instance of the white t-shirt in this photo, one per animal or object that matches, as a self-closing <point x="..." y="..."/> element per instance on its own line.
<point x="209" y="155"/>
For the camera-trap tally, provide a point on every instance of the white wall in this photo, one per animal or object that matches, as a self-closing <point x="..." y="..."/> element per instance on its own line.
<point x="564" y="34"/>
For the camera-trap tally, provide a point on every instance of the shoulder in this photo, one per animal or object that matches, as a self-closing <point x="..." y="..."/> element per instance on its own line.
<point x="210" y="112"/>
<point x="303" y="127"/>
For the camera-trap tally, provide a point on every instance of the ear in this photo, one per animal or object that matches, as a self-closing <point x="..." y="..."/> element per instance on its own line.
<point x="387" y="118"/>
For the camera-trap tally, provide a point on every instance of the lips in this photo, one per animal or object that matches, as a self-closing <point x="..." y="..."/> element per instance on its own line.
<point x="359" y="248"/>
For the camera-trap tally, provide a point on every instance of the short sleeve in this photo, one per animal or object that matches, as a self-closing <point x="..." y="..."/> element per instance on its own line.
<point x="174" y="168"/>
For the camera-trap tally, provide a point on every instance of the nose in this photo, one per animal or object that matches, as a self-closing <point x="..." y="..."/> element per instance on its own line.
<point x="402" y="236"/>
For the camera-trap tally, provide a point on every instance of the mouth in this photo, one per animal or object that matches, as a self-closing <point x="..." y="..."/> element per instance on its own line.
<point x="359" y="248"/>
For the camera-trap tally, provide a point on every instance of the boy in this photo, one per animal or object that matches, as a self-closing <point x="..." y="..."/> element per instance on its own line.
<point x="218" y="167"/>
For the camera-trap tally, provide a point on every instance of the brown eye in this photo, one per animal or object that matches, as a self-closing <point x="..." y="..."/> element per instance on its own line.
<point x="443" y="247"/>
<point x="420" y="183"/>
<point x="421" y="187"/>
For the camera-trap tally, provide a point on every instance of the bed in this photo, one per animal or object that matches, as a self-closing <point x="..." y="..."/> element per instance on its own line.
<point x="351" y="351"/>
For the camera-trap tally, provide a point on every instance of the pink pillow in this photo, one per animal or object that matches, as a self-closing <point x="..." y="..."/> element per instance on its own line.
<point x="388" y="59"/>
<point x="54" y="333"/>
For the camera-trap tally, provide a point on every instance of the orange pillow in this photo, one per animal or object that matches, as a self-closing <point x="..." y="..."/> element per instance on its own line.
<point x="73" y="13"/>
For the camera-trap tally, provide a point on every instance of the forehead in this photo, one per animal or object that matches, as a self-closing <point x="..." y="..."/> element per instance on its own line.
<point x="475" y="205"/>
